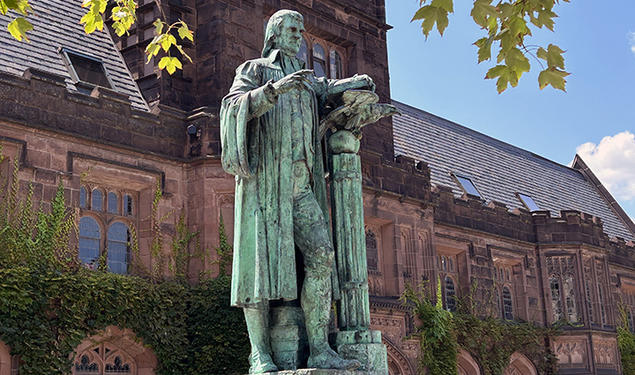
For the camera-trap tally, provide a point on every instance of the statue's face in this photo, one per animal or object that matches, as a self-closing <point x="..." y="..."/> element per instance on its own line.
<point x="290" y="38"/>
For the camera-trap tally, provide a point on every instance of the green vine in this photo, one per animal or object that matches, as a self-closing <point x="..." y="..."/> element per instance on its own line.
<point x="626" y="343"/>
<point x="49" y="304"/>
<point x="441" y="334"/>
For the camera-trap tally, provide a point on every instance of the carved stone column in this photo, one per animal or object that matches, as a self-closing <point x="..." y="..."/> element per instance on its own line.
<point x="355" y="340"/>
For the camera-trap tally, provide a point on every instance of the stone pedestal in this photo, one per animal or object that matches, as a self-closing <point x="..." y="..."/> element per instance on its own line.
<point x="364" y="346"/>
<point x="289" y="342"/>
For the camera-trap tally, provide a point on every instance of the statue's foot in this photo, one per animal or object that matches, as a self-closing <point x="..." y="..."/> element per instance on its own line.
<point x="328" y="359"/>
<point x="261" y="363"/>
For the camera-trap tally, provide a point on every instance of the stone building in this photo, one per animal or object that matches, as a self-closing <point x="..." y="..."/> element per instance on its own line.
<point x="440" y="199"/>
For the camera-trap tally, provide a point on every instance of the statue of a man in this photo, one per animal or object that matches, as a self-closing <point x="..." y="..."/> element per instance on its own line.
<point x="271" y="142"/>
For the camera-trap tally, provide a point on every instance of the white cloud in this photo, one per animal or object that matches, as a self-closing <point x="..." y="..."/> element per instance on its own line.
<point x="613" y="162"/>
<point x="631" y="40"/>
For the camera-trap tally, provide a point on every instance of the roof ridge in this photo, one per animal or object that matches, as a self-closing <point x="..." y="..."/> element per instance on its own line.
<point x="415" y="109"/>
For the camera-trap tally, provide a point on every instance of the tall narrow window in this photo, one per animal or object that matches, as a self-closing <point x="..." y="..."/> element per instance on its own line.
<point x="450" y="294"/>
<point x="569" y="289"/>
<point x="89" y="240"/>
<point x="118" y="248"/>
<point x="113" y="203"/>
<point x="319" y="60"/>
<point x="499" y="305"/>
<point x="371" y="250"/>
<point x="127" y="205"/>
<point x="97" y="202"/>
<point x="556" y="304"/>
<point x="336" y="64"/>
<point x="508" y="306"/>
<point x="602" y="308"/>
<point x="82" y="197"/>
<point x="303" y="53"/>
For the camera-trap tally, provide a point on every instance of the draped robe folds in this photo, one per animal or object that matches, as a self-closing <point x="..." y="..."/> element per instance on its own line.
<point x="257" y="149"/>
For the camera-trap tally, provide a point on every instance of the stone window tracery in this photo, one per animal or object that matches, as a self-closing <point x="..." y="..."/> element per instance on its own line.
<point x="326" y="59"/>
<point x="103" y="360"/>
<point x="561" y="271"/>
<point x="508" y="306"/>
<point x="450" y="294"/>
<point x="105" y="231"/>
<point x="371" y="250"/>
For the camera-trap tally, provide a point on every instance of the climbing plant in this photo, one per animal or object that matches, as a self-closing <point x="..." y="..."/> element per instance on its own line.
<point x="626" y="343"/>
<point x="441" y="333"/>
<point x="49" y="303"/>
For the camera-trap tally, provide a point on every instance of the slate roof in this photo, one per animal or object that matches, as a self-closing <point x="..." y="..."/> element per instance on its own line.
<point x="56" y="25"/>
<point x="499" y="170"/>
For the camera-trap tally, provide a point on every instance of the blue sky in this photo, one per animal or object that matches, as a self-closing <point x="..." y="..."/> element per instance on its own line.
<point x="595" y="117"/>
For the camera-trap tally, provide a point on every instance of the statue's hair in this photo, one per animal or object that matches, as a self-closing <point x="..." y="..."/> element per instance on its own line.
<point x="274" y="28"/>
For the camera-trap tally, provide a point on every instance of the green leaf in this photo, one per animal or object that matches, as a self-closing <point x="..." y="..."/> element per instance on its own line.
<point x="167" y="41"/>
<point x="553" y="56"/>
<point x="484" y="48"/>
<point x="447" y="5"/>
<point x="483" y="13"/>
<point x="18" y="28"/>
<point x="517" y="62"/>
<point x="429" y="16"/>
<point x="170" y="64"/>
<point x="185" y="32"/>
<point x="553" y="77"/>
<point x="158" y="26"/>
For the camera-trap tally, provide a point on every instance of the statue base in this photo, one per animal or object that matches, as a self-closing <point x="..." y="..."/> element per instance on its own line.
<point x="364" y="346"/>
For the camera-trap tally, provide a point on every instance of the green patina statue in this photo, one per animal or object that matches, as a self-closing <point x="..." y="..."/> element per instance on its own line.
<point x="272" y="142"/>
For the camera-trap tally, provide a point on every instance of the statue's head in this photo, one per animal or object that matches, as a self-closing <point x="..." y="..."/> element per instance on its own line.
<point x="284" y="32"/>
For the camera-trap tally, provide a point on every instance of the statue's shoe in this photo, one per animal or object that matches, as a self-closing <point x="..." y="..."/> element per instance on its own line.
<point x="328" y="359"/>
<point x="261" y="363"/>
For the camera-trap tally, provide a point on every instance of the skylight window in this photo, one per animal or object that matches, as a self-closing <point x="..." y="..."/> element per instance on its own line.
<point x="528" y="202"/>
<point x="468" y="186"/>
<point x="86" y="69"/>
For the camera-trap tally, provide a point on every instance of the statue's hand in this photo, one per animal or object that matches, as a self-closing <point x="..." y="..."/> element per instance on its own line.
<point x="364" y="81"/>
<point x="296" y="80"/>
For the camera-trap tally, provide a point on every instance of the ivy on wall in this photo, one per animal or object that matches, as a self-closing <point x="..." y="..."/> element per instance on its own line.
<point x="49" y="303"/>
<point x="626" y="344"/>
<point x="442" y="333"/>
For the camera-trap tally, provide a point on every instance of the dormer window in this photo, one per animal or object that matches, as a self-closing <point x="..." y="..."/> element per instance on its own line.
<point x="468" y="186"/>
<point x="85" y="69"/>
<point x="528" y="202"/>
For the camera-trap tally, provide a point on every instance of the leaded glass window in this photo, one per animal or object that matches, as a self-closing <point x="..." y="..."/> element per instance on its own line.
<point x="97" y="202"/>
<point x="450" y="294"/>
<point x="113" y="203"/>
<point x="336" y="64"/>
<point x="117" y="367"/>
<point x="371" y="250"/>
<point x="556" y="303"/>
<point x="499" y="305"/>
<point x="83" y="196"/>
<point x="118" y="248"/>
<point x="569" y="292"/>
<point x="602" y="308"/>
<point x="303" y="53"/>
<point x="89" y="241"/>
<point x="86" y="366"/>
<point x="561" y="270"/>
<point x="508" y="307"/>
<point x="319" y="60"/>
<point x="127" y="205"/>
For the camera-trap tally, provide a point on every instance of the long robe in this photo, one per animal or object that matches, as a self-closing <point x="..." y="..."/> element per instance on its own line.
<point x="257" y="149"/>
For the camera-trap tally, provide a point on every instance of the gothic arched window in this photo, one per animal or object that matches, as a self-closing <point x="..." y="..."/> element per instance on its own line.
<point x="113" y="203"/>
<point x="319" y="60"/>
<point x="83" y="196"/>
<point x="118" y="248"/>
<point x="127" y="205"/>
<point x="450" y="294"/>
<point x="508" y="307"/>
<point x="103" y="360"/>
<point x="561" y="270"/>
<point x="89" y="241"/>
<point x="556" y="303"/>
<point x="97" y="202"/>
<point x="303" y="53"/>
<point x="336" y="64"/>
